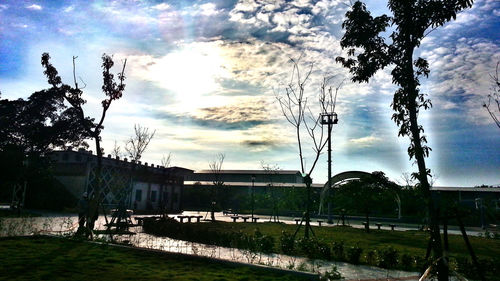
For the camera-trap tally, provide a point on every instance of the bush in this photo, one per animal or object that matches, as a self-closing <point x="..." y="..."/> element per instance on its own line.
<point x="338" y="250"/>
<point x="287" y="243"/>
<point x="371" y="257"/>
<point x="387" y="258"/>
<point x="407" y="261"/>
<point x="353" y="254"/>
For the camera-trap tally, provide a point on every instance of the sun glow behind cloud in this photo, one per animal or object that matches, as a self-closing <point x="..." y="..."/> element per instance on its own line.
<point x="192" y="73"/>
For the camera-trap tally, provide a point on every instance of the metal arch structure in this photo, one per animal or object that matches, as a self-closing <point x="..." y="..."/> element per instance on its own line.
<point x="336" y="180"/>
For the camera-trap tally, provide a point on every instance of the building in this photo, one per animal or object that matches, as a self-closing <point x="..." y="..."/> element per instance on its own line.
<point x="139" y="186"/>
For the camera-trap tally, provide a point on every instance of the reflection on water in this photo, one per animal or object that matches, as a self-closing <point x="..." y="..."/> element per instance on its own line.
<point x="68" y="225"/>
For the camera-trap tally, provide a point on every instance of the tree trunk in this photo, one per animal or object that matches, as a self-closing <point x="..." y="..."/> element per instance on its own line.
<point x="422" y="173"/>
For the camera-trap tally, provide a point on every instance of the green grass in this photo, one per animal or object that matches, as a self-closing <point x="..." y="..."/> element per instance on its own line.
<point x="410" y="242"/>
<point x="45" y="258"/>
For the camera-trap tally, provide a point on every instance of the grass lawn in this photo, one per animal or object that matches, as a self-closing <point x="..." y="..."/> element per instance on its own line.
<point x="411" y="242"/>
<point x="45" y="258"/>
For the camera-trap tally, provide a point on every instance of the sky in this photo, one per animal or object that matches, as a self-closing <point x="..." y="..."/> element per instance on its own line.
<point x="205" y="75"/>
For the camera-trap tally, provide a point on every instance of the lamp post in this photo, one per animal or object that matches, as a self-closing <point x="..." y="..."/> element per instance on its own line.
<point x="253" y="191"/>
<point x="329" y="118"/>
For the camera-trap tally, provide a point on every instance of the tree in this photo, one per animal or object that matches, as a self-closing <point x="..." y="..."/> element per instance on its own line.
<point x="116" y="152"/>
<point x="296" y="110"/>
<point x="29" y="129"/>
<point x="365" y="194"/>
<point x="112" y="89"/>
<point x="166" y="161"/>
<point x="272" y="170"/>
<point x="215" y="167"/>
<point x="137" y="144"/>
<point x="493" y="105"/>
<point x="368" y="52"/>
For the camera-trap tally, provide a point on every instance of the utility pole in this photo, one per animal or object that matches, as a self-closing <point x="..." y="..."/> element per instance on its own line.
<point x="329" y="119"/>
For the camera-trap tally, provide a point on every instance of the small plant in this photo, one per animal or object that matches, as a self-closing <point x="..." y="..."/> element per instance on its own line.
<point x="406" y="261"/>
<point x="332" y="274"/>
<point x="353" y="254"/>
<point x="387" y="258"/>
<point x="338" y="250"/>
<point x="302" y="267"/>
<point x="287" y="243"/>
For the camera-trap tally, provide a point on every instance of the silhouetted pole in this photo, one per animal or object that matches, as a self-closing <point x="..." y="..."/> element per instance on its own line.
<point x="253" y="191"/>
<point x="330" y="119"/>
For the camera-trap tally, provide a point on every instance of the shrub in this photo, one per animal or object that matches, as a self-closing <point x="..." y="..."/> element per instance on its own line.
<point x="387" y="258"/>
<point x="371" y="257"/>
<point x="407" y="261"/>
<point x="287" y="243"/>
<point x="353" y="254"/>
<point x="338" y="250"/>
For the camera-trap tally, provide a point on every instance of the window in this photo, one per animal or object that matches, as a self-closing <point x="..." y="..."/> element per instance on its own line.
<point x="153" y="195"/>
<point x="138" y="195"/>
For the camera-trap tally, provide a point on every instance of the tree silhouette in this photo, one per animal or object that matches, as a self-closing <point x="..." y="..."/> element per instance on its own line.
<point x="73" y="95"/>
<point x="294" y="104"/>
<point x="369" y="52"/>
<point x="215" y="167"/>
<point x="493" y="105"/>
<point x="137" y="144"/>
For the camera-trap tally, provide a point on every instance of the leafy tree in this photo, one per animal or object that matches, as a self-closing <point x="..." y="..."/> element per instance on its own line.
<point x="112" y="89"/>
<point x="365" y="194"/>
<point x="28" y="130"/>
<point x="368" y="51"/>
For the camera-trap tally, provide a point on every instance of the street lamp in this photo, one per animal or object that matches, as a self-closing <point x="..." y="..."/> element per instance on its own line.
<point x="329" y="118"/>
<point x="253" y="191"/>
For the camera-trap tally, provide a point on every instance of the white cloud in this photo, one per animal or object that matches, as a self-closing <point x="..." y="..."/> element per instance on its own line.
<point x="34" y="7"/>
<point x="365" y="141"/>
<point x="161" y="7"/>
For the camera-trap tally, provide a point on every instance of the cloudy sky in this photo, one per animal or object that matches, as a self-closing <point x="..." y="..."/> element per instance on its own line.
<point x="205" y="75"/>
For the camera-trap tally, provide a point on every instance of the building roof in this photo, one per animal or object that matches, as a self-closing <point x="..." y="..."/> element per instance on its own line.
<point x="249" y="172"/>
<point x="466" y="189"/>
<point x="256" y="184"/>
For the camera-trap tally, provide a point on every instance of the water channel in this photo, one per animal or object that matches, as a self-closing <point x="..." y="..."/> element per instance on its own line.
<point x="66" y="225"/>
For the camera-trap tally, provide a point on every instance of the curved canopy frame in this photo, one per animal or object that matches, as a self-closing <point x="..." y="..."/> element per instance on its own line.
<point x="338" y="179"/>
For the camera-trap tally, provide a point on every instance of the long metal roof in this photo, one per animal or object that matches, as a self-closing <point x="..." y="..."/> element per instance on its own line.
<point x="250" y="172"/>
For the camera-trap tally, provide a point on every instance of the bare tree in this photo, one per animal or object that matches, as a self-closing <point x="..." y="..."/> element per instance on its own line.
<point x="137" y="144"/>
<point x="493" y="105"/>
<point x="295" y="108"/>
<point x="116" y="151"/>
<point x="272" y="170"/>
<point x="216" y="168"/>
<point x="166" y="161"/>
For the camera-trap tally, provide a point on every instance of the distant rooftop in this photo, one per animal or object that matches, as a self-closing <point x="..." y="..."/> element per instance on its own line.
<point x="260" y="172"/>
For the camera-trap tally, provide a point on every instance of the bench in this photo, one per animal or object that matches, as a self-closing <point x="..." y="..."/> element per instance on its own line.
<point x="139" y="220"/>
<point x="366" y="225"/>
<point x="245" y="219"/>
<point x="197" y="218"/>
<point x="378" y="225"/>
<point x="235" y="218"/>
<point x="392" y="226"/>
<point x="255" y="219"/>
<point x="181" y="218"/>
<point x="320" y="222"/>
<point x="297" y="221"/>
